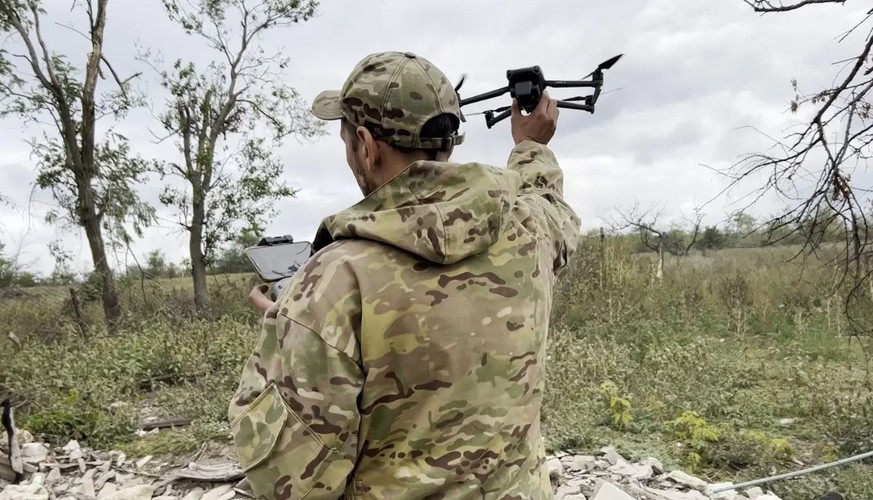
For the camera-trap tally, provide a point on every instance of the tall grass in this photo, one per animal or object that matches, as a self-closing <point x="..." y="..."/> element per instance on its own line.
<point x="737" y="364"/>
<point x="734" y="365"/>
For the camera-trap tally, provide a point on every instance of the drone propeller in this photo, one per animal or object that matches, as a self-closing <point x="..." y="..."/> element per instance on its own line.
<point x="607" y="64"/>
<point x="460" y="82"/>
<point x="457" y="88"/>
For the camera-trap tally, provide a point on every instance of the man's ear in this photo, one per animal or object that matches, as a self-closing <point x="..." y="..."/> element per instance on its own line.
<point x="370" y="148"/>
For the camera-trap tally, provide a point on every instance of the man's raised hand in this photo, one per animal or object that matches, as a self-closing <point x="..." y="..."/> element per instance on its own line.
<point x="540" y="125"/>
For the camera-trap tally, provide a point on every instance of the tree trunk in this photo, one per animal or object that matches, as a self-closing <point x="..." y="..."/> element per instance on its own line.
<point x="91" y="223"/>
<point x="86" y="170"/>
<point x="198" y="259"/>
<point x="660" y="271"/>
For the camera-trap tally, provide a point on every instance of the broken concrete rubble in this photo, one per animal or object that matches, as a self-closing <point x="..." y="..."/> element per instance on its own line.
<point x="610" y="476"/>
<point x="687" y="480"/>
<point x="74" y="472"/>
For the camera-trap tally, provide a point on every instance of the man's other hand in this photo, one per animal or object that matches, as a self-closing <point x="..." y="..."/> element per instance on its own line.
<point x="259" y="300"/>
<point x="539" y="126"/>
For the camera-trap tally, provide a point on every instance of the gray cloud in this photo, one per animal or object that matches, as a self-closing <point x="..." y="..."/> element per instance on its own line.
<point x="694" y="74"/>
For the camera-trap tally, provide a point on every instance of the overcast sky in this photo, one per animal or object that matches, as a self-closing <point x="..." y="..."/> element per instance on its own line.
<point x="695" y="79"/>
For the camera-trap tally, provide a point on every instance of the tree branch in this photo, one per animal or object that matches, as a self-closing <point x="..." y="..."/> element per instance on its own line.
<point x="767" y="6"/>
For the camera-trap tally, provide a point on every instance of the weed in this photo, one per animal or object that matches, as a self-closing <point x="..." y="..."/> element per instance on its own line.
<point x="618" y="408"/>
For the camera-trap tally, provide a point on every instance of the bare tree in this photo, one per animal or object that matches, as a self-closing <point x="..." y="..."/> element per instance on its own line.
<point x="655" y="236"/>
<point x="91" y="179"/>
<point x="230" y="169"/>
<point x="812" y="169"/>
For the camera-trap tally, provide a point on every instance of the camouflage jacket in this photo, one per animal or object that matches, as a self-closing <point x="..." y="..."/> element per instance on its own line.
<point x="406" y="358"/>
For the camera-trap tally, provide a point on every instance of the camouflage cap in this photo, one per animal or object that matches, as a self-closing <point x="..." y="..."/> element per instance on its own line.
<point x="394" y="94"/>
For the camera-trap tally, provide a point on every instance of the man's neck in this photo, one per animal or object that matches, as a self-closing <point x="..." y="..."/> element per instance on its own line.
<point x="394" y="162"/>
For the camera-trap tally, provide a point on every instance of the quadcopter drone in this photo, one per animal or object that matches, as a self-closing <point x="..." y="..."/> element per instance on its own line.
<point x="527" y="85"/>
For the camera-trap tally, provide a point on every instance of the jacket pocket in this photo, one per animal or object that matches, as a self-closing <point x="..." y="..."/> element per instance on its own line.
<point x="280" y="455"/>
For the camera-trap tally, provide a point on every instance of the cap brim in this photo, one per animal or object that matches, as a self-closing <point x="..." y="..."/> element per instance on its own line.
<point x="327" y="105"/>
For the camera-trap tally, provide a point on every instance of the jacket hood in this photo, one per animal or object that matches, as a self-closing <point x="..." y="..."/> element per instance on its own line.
<point x="443" y="212"/>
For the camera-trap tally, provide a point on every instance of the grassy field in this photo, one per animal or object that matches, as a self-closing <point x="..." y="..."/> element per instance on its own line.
<point x="736" y="365"/>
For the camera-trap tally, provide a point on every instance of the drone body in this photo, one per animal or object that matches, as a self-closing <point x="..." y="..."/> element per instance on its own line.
<point x="527" y="85"/>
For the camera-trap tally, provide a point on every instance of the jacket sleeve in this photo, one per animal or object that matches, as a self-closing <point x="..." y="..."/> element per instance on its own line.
<point x="542" y="186"/>
<point x="294" y="417"/>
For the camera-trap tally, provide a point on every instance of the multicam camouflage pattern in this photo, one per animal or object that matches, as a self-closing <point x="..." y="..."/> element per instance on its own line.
<point x="394" y="94"/>
<point x="406" y="358"/>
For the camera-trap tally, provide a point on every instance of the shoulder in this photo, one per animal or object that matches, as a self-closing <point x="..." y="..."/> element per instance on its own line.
<point x="337" y="263"/>
<point x="324" y="295"/>
<point x="332" y="268"/>
<point x="326" y="271"/>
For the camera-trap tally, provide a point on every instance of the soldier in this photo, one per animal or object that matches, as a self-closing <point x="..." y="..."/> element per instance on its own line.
<point x="406" y="358"/>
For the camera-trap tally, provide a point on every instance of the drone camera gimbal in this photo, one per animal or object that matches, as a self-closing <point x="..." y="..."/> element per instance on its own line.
<point x="527" y="86"/>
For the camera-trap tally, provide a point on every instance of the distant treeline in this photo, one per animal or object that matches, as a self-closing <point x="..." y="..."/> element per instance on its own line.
<point x="743" y="231"/>
<point x="152" y="265"/>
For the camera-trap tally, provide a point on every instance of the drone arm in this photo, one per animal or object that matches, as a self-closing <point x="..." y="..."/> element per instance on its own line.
<point x="573" y="83"/>
<point x="483" y="97"/>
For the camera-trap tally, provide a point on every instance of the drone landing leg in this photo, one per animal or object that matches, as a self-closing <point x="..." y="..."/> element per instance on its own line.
<point x="572" y="105"/>
<point x="490" y="122"/>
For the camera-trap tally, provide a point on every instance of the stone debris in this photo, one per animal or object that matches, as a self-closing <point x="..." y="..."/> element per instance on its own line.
<point x="609" y="476"/>
<point x="24" y="492"/>
<point x="687" y="480"/>
<point x="74" y="472"/>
